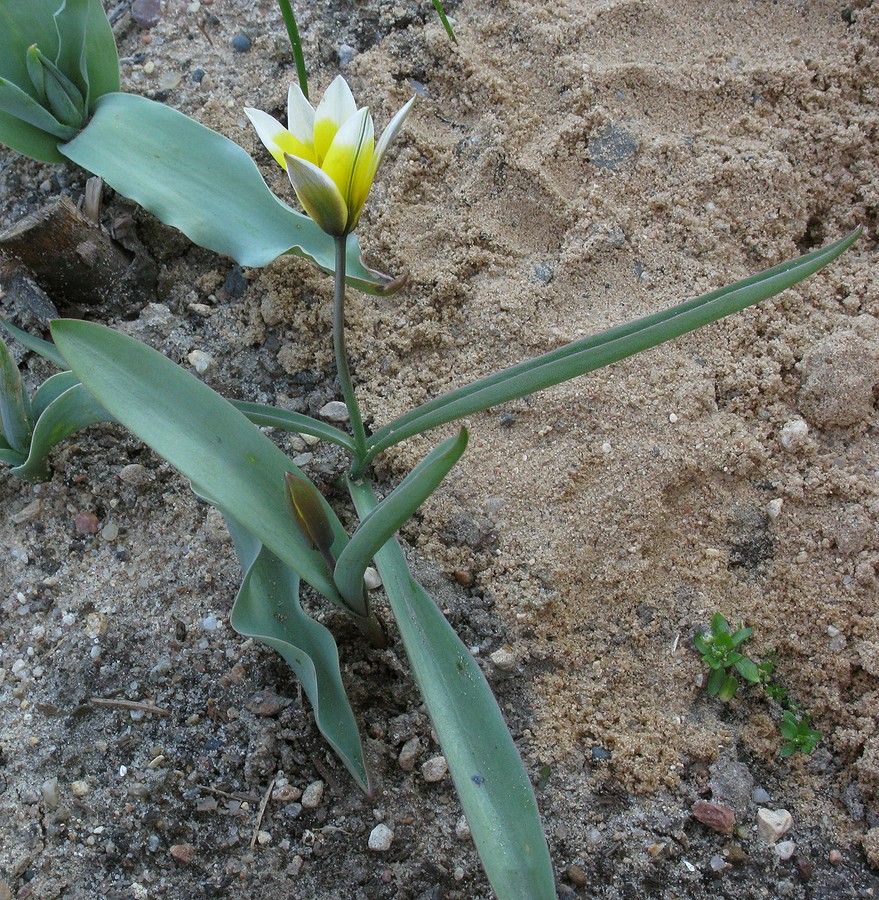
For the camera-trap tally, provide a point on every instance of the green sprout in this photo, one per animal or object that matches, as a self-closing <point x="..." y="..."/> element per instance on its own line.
<point x="719" y="653"/>
<point x="797" y="733"/>
<point x="719" y="649"/>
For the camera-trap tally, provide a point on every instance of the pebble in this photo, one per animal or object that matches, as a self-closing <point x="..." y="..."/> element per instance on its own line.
<point x="201" y="361"/>
<point x="146" y="12"/>
<point x="110" y="531"/>
<point x="263" y="838"/>
<point x="182" y="852"/>
<point x="773" y="823"/>
<point x="241" y="43"/>
<point x="504" y="658"/>
<point x="267" y="703"/>
<point x="834" y="857"/>
<point x="346" y="54"/>
<point x="86" y="523"/>
<point x="209" y="623"/>
<point x="462" y="829"/>
<point x="313" y="794"/>
<point x="335" y="411"/>
<point x="409" y="753"/>
<point x="303" y="459"/>
<point x="760" y="796"/>
<point x="718" y="863"/>
<point x="805" y="867"/>
<point x="785" y="849"/>
<point x="434" y="769"/>
<point x="80" y="789"/>
<point x="612" y="148"/>
<point x="380" y="838"/>
<point x="601" y="754"/>
<point x="773" y="508"/>
<point x="716" y="816"/>
<point x="134" y="474"/>
<point x="28" y="514"/>
<point x="577" y="875"/>
<point x="794" y="434"/>
<point x="49" y="790"/>
<point x="731" y="783"/>
<point x="372" y="579"/>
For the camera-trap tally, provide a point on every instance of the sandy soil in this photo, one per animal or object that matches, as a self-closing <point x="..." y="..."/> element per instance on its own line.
<point x="568" y="166"/>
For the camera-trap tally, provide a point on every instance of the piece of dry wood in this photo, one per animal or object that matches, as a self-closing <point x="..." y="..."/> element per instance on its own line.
<point x="73" y="259"/>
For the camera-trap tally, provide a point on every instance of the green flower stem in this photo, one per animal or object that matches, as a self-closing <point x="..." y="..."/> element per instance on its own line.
<point x="342" y="369"/>
<point x="295" y="44"/>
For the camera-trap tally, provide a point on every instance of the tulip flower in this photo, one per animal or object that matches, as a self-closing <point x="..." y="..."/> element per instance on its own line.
<point x="330" y="153"/>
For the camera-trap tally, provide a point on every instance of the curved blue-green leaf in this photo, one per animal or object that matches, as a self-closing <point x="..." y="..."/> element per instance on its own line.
<point x="491" y="780"/>
<point x="267" y="609"/>
<point x="272" y="417"/>
<point x="600" y="350"/>
<point x="87" y="48"/>
<point x="71" y="411"/>
<point x="205" y="185"/>
<point x="51" y="389"/>
<point x="392" y="513"/>
<point x="202" y="435"/>
<point x="46" y="349"/>
<point x="16" y="415"/>
<point x="19" y="105"/>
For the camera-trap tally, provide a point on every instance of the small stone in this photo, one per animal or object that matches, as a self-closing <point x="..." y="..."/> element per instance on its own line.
<point x="80" y="789"/>
<point x="86" y="523"/>
<point x="335" y="411"/>
<point x="346" y="54"/>
<point x="380" y="838"/>
<point x="236" y="282"/>
<point x="601" y="754"/>
<point x="313" y="794"/>
<point x="146" y="13"/>
<point x="135" y="474"/>
<point x="805" y="867"/>
<point x="731" y="783"/>
<point x="504" y="658"/>
<point x="201" y="361"/>
<point x="49" y="790"/>
<point x="434" y="769"/>
<point x="182" y="852"/>
<point x="785" y="849"/>
<point x="718" y="863"/>
<point x="794" y="434"/>
<point x="462" y="829"/>
<point x="267" y="703"/>
<point x="209" y="623"/>
<point x="372" y="579"/>
<point x="760" y="796"/>
<point x="110" y="531"/>
<point x="716" y="816"/>
<point x="773" y="508"/>
<point x="577" y="875"/>
<point x="612" y="148"/>
<point x="773" y="824"/>
<point x="834" y="857"/>
<point x="263" y="838"/>
<point x="303" y="459"/>
<point x="409" y="753"/>
<point x="241" y="43"/>
<point x="28" y="514"/>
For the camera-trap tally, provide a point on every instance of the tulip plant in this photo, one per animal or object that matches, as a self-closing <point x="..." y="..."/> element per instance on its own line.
<point x="284" y="531"/>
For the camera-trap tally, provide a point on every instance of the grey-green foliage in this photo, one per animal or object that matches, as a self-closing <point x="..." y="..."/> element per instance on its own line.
<point x="57" y="58"/>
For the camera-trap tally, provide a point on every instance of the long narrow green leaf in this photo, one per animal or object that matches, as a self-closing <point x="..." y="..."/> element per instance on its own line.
<point x="16" y="417"/>
<point x="438" y="6"/>
<point x="46" y="349"/>
<point x="273" y="417"/>
<point x="491" y="780"/>
<point x="20" y="105"/>
<point x="51" y="389"/>
<point x="205" y="185"/>
<point x="391" y="514"/>
<point x="22" y="23"/>
<point x="101" y="58"/>
<point x="71" y="411"/>
<point x="267" y="608"/>
<point x="608" y="347"/>
<point x="295" y="44"/>
<point x="31" y="141"/>
<point x="200" y="434"/>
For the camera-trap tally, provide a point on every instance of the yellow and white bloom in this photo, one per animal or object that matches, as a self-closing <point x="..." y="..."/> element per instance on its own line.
<point x="329" y="153"/>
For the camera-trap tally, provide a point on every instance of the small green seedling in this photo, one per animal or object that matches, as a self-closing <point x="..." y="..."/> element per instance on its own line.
<point x="719" y="653"/>
<point x="797" y="733"/>
<point x="719" y="649"/>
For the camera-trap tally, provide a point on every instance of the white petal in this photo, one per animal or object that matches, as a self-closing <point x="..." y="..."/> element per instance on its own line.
<point x="337" y="104"/>
<point x="269" y="130"/>
<point x="389" y="134"/>
<point x="318" y="194"/>
<point x="300" y="115"/>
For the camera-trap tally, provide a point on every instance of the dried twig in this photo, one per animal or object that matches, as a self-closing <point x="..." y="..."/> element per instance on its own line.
<point x="129" y="704"/>
<point x="261" y="813"/>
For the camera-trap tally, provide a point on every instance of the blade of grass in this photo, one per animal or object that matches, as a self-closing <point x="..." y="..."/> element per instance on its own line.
<point x="295" y="44"/>
<point x="437" y="5"/>
<point x="603" y="349"/>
